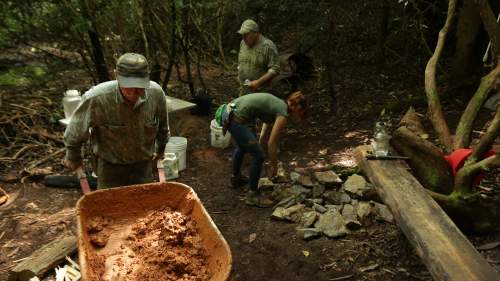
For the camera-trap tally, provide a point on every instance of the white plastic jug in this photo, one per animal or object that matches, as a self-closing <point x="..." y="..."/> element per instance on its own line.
<point x="217" y="138"/>
<point x="178" y="145"/>
<point x="171" y="166"/>
<point x="70" y="102"/>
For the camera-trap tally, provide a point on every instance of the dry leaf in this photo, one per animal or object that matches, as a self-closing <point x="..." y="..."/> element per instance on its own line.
<point x="306" y="253"/>
<point x="252" y="237"/>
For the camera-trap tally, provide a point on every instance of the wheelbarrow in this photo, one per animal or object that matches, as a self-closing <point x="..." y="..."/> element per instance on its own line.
<point x="134" y="202"/>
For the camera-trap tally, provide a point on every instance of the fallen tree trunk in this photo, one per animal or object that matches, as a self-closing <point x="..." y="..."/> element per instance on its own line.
<point x="426" y="160"/>
<point x="445" y="251"/>
<point x="44" y="259"/>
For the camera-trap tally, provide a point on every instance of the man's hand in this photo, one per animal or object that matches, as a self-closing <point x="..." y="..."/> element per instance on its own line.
<point x="158" y="157"/>
<point x="254" y="85"/>
<point x="72" y="165"/>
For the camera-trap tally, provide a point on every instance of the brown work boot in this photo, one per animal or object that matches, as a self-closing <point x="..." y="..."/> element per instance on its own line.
<point x="238" y="181"/>
<point x="254" y="198"/>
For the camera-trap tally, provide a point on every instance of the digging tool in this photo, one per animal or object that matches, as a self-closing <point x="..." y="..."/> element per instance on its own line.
<point x="84" y="184"/>
<point x="161" y="171"/>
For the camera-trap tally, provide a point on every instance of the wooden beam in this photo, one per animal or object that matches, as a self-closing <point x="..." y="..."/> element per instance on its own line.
<point x="44" y="259"/>
<point x="447" y="253"/>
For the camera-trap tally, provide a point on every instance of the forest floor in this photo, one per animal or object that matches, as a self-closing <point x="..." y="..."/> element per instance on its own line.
<point x="39" y="214"/>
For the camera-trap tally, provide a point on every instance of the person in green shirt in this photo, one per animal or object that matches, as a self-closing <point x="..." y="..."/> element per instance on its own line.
<point x="126" y="121"/>
<point x="258" y="60"/>
<point x="238" y="118"/>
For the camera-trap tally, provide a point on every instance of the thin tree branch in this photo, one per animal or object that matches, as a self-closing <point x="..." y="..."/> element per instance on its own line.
<point x="487" y="139"/>
<point x="431" y="89"/>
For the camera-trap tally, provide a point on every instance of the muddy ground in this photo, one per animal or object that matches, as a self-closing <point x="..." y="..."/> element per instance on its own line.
<point x="39" y="214"/>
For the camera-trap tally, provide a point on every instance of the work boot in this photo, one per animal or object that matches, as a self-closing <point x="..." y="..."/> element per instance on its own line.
<point x="239" y="181"/>
<point x="254" y="198"/>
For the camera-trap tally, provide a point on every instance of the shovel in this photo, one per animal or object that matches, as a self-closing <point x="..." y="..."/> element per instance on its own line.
<point x="84" y="184"/>
<point x="161" y="171"/>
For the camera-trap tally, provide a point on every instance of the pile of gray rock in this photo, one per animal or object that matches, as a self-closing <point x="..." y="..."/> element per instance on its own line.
<point x="323" y="204"/>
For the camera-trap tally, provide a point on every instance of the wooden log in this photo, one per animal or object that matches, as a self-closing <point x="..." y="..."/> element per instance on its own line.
<point x="446" y="252"/>
<point x="44" y="259"/>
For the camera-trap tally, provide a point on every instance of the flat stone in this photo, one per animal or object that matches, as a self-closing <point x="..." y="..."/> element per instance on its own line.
<point x="328" y="178"/>
<point x="278" y="213"/>
<point x="350" y="216"/>
<point x="363" y="209"/>
<point x="320" y="209"/>
<point x="306" y="181"/>
<point x="309" y="233"/>
<point x="308" y="219"/>
<point x="266" y="183"/>
<point x="281" y="192"/>
<point x="298" y="189"/>
<point x="295" y="177"/>
<point x="332" y="224"/>
<point x="333" y="197"/>
<point x="286" y="202"/>
<point x="281" y="176"/>
<point x="318" y="191"/>
<point x="356" y="185"/>
<point x="345" y="198"/>
<point x="338" y="208"/>
<point x="383" y="213"/>
<point x="309" y="202"/>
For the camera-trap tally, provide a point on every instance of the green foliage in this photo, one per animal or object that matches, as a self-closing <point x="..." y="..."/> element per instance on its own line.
<point x="21" y="75"/>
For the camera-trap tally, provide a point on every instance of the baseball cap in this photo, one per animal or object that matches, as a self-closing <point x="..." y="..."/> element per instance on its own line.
<point x="132" y="71"/>
<point x="247" y="26"/>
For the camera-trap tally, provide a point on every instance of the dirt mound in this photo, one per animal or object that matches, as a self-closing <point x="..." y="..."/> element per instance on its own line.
<point x="164" y="245"/>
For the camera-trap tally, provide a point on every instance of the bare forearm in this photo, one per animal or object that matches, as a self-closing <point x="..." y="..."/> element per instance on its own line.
<point x="265" y="78"/>
<point x="272" y="150"/>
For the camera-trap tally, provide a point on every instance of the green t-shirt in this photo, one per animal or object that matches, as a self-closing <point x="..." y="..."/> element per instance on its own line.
<point x="262" y="106"/>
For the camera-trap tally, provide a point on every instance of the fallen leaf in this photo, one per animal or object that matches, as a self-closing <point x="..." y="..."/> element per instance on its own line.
<point x="252" y="237"/>
<point x="488" y="246"/>
<point x="306" y="253"/>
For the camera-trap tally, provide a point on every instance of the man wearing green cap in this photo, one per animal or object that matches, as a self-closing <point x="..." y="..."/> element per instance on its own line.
<point x="258" y="61"/>
<point x="124" y="119"/>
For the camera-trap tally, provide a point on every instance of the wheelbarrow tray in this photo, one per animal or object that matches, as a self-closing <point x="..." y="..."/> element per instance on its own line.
<point x="133" y="202"/>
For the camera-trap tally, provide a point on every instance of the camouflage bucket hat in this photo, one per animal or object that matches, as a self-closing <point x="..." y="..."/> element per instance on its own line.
<point x="132" y="71"/>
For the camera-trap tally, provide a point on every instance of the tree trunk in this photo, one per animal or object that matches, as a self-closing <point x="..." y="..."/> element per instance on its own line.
<point x="185" y="48"/>
<point x="382" y="33"/>
<point x="431" y="89"/>
<point x="173" y="47"/>
<point x="329" y="61"/>
<point x="426" y="160"/>
<point x="469" y="26"/>
<point x="97" y="49"/>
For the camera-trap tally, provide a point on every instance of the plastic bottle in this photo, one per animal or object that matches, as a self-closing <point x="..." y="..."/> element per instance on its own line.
<point x="380" y="142"/>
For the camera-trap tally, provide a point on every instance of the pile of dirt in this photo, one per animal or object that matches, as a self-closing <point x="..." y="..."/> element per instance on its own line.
<point x="163" y="245"/>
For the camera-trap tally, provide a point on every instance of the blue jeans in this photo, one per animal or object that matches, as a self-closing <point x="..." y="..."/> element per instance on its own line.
<point x="246" y="142"/>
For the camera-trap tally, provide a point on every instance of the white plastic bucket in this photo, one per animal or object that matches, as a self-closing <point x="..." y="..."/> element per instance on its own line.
<point x="217" y="138"/>
<point x="178" y="145"/>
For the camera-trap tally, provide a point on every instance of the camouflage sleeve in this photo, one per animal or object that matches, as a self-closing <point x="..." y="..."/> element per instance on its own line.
<point x="273" y="59"/>
<point x="77" y="132"/>
<point x="163" y="126"/>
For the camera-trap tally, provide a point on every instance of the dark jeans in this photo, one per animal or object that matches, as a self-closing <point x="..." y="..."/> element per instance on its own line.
<point x="114" y="175"/>
<point x="246" y="142"/>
